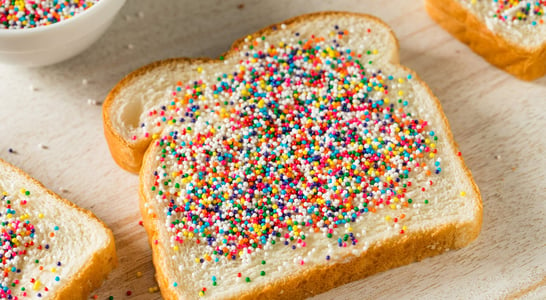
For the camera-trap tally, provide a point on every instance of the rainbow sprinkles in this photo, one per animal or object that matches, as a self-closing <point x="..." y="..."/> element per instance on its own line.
<point x="24" y="243"/>
<point x="300" y="142"/>
<point x="509" y="12"/>
<point x="19" y="14"/>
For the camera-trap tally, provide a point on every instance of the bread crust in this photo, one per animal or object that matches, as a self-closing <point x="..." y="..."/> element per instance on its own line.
<point x="129" y="154"/>
<point x="379" y="257"/>
<point x="96" y="269"/>
<point x="524" y="63"/>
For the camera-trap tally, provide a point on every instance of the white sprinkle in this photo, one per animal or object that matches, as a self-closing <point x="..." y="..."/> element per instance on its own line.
<point x="497" y="156"/>
<point x="92" y="102"/>
<point x="32" y="88"/>
<point x="42" y="146"/>
<point x="84" y="81"/>
<point x="141" y="14"/>
<point x="130" y="46"/>
<point x="63" y="190"/>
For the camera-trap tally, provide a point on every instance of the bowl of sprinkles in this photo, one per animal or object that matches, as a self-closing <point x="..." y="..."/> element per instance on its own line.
<point x="36" y="33"/>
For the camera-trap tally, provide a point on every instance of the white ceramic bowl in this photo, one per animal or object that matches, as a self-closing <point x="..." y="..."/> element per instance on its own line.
<point x="53" y="43"/>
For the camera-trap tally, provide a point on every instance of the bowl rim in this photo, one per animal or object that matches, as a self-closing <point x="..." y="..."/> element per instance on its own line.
<point x="22" y="31"/>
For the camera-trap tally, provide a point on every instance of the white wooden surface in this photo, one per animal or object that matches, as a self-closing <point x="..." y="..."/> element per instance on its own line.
<point x="498" y="121"/>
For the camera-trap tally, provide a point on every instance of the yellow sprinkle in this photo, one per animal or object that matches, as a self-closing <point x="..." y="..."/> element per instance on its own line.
<point x="463" y="193"/>
<point x="387" y="218"/>
<point x="201" y="293"/>
<point x="37" y="285"/>
<point x="23" y="191"/>
<point x="400" y="93"/>
<point x="404" y="227"/>
<point x="40" y="215"/>
<point x="138" y="274"/>
<point x="175" y="248"/>
<point x="53" y="270"/>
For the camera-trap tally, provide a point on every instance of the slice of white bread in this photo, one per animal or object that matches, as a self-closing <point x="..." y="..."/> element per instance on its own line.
<point x="244" y="208"/>
<point x="52" y="249"/>
<point x="508" y="34"/>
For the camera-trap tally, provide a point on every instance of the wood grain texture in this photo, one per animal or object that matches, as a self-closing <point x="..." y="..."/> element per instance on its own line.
<point x="497" y="120"/>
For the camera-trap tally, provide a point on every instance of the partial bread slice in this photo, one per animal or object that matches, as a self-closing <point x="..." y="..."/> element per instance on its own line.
<point x="285" y="229"/>
<point x="517" y="47"/>
<point x="59" y="251"/>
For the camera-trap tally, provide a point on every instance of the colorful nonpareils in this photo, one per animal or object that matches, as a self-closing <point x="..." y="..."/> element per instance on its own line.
<point x="21" y="244"/>
<point x="513" y="11"/>
<point x="18" y="14"/>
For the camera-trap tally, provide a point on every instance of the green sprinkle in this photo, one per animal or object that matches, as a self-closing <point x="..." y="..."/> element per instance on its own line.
<point x="262" y="273"/>
<point x="247" y="279"/>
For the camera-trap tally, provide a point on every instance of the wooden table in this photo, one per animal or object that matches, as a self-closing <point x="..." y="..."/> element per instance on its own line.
<point x="498" y="121"/>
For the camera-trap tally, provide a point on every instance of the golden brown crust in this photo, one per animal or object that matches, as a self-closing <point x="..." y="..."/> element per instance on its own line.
<point x="97" y="267"/>
<point x="524" y="63"/>
<point x="389" y="254"/>
<point x="150" y="224"/>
